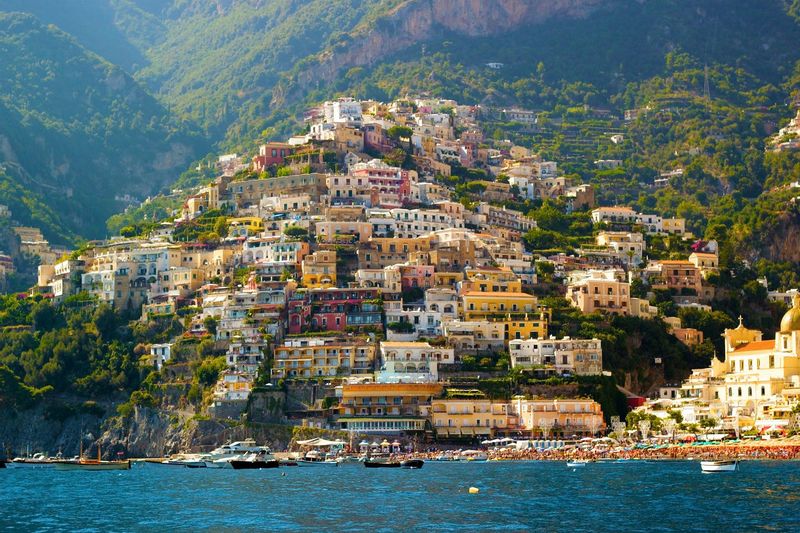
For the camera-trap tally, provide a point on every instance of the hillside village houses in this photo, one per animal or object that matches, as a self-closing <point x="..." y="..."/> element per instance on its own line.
<point x="373" y="279"/>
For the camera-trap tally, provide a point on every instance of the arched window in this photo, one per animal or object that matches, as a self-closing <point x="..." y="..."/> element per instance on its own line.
<point x="763" y="391"/>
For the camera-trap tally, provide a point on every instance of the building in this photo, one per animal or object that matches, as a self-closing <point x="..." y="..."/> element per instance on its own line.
<point x="319" y="269"/>
<point x="683" y="277"/>
<point x="480" y="304"/>
<point x="557" y="356"/>
<point x="614" y="215"/>
<point x="387" y="408"/>
<point x="160" y="354"/>
<point x="600" y="290"/>
<point x="272" y="154"/>
<point x="628" y="246"/>
<point x="559" y="418"/>
<point x="323" y="356"/>
<point x="412" y="362"/>
<point x="757" y="384"/>
<point x="469" y="416"/>
<point x="333" y="309"/>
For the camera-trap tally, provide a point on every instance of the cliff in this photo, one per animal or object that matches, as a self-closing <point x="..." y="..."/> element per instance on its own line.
<point x="415" y="21"/>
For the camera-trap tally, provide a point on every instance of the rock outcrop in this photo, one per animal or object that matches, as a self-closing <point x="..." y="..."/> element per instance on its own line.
<point x="417" y="21"/>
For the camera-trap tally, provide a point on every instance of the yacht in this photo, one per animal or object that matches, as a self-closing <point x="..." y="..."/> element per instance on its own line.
<point x="222" y="456"/>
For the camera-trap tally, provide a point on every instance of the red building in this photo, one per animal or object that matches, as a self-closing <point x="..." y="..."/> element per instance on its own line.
<point x="272" y="153"/>
<point x="333" y="309"/>
<point x="392" y="184"/>
<point x="416" y="276"/>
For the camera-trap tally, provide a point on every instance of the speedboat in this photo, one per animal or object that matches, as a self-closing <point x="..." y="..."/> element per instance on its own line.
<point x="719" y="466"/>
<point x="576" y="463"/>
<point x="221" y="457"/>
<point x="253" y="461"/>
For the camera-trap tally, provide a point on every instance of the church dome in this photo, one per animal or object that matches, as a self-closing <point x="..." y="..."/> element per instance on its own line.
<point x="791" y="320"/>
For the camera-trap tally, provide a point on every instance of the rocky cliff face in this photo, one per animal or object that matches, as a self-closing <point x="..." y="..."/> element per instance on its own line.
<point x="416" y="21"/>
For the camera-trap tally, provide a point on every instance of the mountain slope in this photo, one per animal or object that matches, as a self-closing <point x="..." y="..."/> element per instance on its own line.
<point x="76" y="131"/>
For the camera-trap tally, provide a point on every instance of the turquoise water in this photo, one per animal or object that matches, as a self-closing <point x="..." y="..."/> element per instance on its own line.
<point x="527" y="496"/>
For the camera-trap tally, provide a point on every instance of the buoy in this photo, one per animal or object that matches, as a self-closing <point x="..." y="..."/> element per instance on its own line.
<point x="474" y="490"/>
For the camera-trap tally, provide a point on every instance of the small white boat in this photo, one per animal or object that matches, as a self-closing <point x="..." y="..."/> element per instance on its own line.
<point x="573" y="464"/>
<point x="719" y="466"/>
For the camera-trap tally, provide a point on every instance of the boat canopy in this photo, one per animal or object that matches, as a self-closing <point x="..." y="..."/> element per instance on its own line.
<point x="321" y="443"/>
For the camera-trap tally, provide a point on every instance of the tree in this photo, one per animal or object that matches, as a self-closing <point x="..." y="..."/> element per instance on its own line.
<point x="296" y="232"/>
<point x="210" y="324"/>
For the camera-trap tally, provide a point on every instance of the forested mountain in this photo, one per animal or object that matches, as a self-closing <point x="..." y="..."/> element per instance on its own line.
<point x="77" y="131"/>
<point x="240" y="70"/>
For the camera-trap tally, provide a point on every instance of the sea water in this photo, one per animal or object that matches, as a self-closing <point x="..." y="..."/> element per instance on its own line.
<point x="514" y="496"/>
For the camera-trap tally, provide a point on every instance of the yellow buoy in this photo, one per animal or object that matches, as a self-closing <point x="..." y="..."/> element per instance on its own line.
<point x="474" y="490"/>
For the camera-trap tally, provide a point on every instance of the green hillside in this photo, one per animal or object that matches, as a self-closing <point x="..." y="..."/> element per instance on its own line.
<point x="76" y="131"/>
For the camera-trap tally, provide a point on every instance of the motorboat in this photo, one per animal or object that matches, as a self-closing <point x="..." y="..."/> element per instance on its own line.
<point x="222" y="456"/>
<point x="254" y="461"/>
<point x="38" y="460"/>
<point x="719" y="466"/>
<point x="314" y="458"/>
<point x="187" y="461"/>
<point x="412" y="463"/>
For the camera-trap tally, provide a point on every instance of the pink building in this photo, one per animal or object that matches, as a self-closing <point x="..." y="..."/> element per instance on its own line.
<point x="416" y="276"/>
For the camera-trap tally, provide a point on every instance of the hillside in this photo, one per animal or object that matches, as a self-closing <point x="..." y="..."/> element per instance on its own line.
<point x="77" y="131"/>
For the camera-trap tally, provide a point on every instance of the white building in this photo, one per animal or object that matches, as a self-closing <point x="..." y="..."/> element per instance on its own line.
<point x="412" y="362"/>
<point x="574" y="356"/>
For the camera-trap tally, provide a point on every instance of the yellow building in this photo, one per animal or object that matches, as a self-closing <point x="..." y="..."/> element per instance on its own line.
<point x="319" y="269"/>
<point x="466" y="416"/>
<point x="477" y="305"/>
<point x="559" y="418"/>
<point x="323" y="356"/>
<point x="245" y="226"/>
<point x="386" y="407"/>
<point x="491" y="279"/>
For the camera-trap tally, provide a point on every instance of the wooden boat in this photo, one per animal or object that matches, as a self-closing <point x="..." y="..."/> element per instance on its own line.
<point x="382" y="464"/>
<point x="412" y="463"/>
<point x="93" y="464"/>
<point x="719" y="466"/>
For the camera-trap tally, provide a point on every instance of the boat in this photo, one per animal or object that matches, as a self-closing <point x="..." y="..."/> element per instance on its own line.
<point x="186" y="461"/>
<point x="222" y="456"/>
<point x="412" y="463"/>
<point x="719" y="466"/>
<point x="287" y="462"/>
<point x="2" y="463"/>
<point x="472" y="455"/>
<point x="82" y="463"/>
<point x="314" y="458"/>
<point x="573" y="464"/>
<point x="38" y="460"/>
<point x="382" y="464"/>
<point x="254" y="461"/>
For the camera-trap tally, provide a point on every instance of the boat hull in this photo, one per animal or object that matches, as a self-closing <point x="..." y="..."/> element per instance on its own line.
<point x="253" y="465"/>
<point x="412" y="463"/>
<point x="374" y="464"/>
<point x="30" y="464"/>
<point x="111" y="465"/>
<point x="303" y="462"/>
<point x="575" y="463"/>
